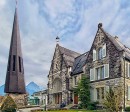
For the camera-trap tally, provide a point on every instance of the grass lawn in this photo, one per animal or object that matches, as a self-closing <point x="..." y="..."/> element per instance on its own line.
<point x="71" y="111"/>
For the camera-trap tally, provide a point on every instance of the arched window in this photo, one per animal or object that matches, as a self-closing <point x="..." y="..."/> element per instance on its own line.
<point x="57" y="85"/>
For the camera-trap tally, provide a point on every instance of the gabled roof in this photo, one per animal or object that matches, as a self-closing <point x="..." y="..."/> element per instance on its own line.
<point x="79" y="63"/>
<point x="68" y="55"/>
<point x="118" y="44"/>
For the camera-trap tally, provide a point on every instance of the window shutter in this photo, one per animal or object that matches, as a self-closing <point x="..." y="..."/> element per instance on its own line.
<point x="106" y="89"/>
<point x="128" y="92"/>
<point x="106" y="70"/>
<point x="94" y="54"/>
<point x="92" y="75"/>
<point x="95" y="94"/>
<point x="104" y="51"/>
<point x="127" y="70"/>
<point x="99" y="73"/>
<point x="92" y="94"/>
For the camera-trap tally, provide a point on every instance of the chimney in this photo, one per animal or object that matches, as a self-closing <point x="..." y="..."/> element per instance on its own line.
<point x="100" y="25"/>
<point x="116" y="38"/>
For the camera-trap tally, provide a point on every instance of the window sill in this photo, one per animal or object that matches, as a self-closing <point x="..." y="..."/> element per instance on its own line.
<point x="99" y="59"/>
<point x="99" y="79"/>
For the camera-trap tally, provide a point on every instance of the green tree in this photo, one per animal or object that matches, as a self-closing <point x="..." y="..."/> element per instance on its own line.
<point x="83" y="91"/>
<point x="113" y="99"/>
<point x="8" y="105"/>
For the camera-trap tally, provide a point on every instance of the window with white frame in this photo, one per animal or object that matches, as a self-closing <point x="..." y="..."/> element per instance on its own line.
<point x="98" y="93"/>
<point x="100" y="56"/>
<point x="98" y="73"/>
<point x="128" y="93"/>
<point x="102" y="92"/>
<point x="99" y="53"/>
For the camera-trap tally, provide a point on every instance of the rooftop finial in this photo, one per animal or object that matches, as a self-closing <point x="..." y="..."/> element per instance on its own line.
<point x="99" y="25"/>
<point x="57" y="40"/>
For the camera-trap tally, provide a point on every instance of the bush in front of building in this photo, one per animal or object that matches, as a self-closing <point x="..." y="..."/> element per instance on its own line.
<point x="127" y="109"/>
<point x="8" y="105"/>
<point x="83" y="91"/>
<point x="113" y="99"/>
<point x="92" y="106"/>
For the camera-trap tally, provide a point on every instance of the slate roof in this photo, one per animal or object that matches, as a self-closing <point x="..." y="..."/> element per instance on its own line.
<point x="118" y="44"/>
<point x="68" y="55"/>
<point x="79" y="63"/>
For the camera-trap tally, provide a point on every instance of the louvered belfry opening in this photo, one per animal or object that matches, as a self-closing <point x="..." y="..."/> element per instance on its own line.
<point x="14" y="82"/>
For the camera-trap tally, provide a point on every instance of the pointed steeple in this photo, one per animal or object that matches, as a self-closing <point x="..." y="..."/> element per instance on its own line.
<point x="15" y="71"/>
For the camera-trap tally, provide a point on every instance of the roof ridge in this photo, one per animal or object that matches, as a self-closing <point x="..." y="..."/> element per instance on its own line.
<point x="117" y="41"/>
<point x="69" y="49"/>
<point x="82" y="54"/>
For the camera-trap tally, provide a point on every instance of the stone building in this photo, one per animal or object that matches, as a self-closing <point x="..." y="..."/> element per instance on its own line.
<point x="106" y="64"/>
<point x="42" y="96"/>
<point x="59" y="74"/>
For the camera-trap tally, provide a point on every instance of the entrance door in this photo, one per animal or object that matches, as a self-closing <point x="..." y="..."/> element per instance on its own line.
<point x="60" y="98"/>
<point x="75" y="99"/>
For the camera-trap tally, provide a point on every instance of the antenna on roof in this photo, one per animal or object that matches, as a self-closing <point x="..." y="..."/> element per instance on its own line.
<point x="57" y="40"/>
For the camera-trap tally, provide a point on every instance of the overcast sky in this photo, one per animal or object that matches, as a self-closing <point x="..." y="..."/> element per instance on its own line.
<point x="74" y="21"/>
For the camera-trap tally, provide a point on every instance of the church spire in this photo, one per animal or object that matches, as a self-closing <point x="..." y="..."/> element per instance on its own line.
<point x="15" y="71"/>
<point x="16" y="3"/>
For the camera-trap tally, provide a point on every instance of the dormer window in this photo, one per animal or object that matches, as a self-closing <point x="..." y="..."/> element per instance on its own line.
<point x="99" y="53"/>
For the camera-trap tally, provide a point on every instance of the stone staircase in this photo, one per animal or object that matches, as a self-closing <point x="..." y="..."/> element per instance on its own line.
<point x="53" y="106"/>
<point x="57" y="106"/>
<point x="69" y="106"/>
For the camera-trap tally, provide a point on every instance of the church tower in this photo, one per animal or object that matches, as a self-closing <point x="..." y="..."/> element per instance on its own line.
<point x="14" y="83"/>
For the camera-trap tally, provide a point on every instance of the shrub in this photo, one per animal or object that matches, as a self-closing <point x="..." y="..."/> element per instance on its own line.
<point x="113" y="99"/>
<point x="79" y="106"/>
<point x="83" y="91"/>
<point x="127" y="109"/>
<point x="92" y="106"/>
<point x="8" y="105"/>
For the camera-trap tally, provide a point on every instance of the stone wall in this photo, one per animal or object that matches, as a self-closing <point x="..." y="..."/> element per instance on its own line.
<point x="58" y="71"/>
<point x="20" y="99"/>
<point x="113" y="56"/>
